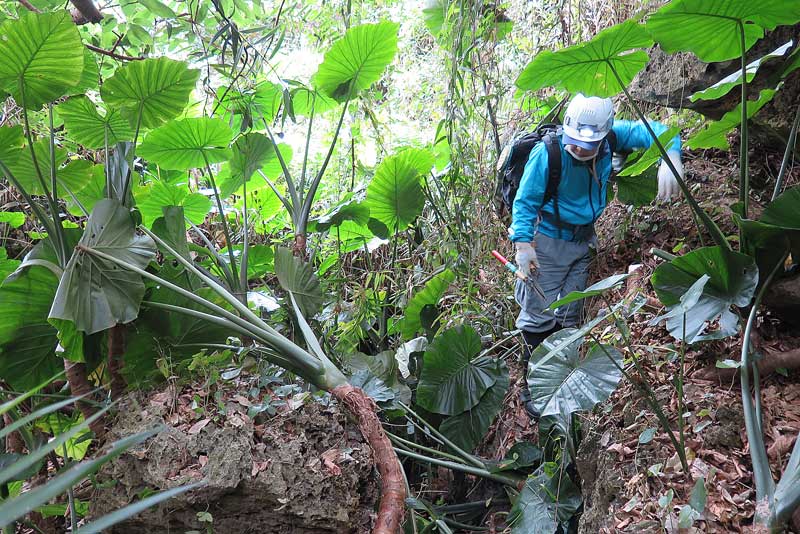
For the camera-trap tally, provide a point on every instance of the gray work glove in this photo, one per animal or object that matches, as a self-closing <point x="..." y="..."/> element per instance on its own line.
<point x="526" y="256"/>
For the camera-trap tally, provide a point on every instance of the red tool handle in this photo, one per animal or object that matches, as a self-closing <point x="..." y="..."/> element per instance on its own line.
<point x="502" y="259"/>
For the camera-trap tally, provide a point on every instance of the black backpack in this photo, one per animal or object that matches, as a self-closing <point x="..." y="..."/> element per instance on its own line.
<point x="514" y="156"/>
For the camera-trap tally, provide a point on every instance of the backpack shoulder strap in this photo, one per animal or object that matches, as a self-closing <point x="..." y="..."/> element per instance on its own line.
<point x="612" y="140"/>
<point x="553" y="167"/>
<point x="553" y="174"/>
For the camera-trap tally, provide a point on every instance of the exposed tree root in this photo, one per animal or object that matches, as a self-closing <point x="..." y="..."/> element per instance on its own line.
<point x="79" y="386"/>
<point x="767" y="365"/>
<point x="116" y="352"/>
<point x="393" y="491"/>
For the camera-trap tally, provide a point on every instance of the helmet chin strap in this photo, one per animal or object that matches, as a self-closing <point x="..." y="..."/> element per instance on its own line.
<point x="569" y="149"/>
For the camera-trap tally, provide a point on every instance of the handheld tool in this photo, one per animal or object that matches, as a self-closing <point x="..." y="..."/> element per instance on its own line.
<point x="529" y="281"/>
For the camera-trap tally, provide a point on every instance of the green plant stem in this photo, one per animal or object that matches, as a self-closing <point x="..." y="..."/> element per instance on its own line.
<point x="127" y="183"/>
<point x="286" y="203"/>
<point x="302" y="223"/>
<point x="308" y="143"/>
<point x="458" y="450"/>
<point x="647" y="392"/>
<point x="787" y="155"/>
<point x="296" y="201"/>
<point x="44" y="220"/>
<point x="55" y="220"/>
<point x="681" y="400"/>
<point x="73" y="515"/>
<point x="243" y="310"/>
<point x="27" y="394"/>
<point x="744" y="175"/>
<point x="272" y="357"/>
<point x="267" y="335"/>
<point x="222" y="264"/>
<point x="663" y="254"/>
<point x="455" y="466"/>
<point x="711" y="226"/>
<point x="397" y="439"/>
<point x="52" y="146"/>
<point x="223" y="219"/>
<point x="762" y="476"/>
<point x="651" y="399"/>
<point x="243" y="287"/>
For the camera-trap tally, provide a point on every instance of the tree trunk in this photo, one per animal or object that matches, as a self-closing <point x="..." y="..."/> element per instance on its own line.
<point x="116" y="352"/>
<point x="393" y="490"/>
<point x="79" y="386"/>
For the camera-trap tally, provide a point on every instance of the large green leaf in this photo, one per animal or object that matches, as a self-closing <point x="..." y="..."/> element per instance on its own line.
<point x="778" y="229"/>
<point x="467" y="429"/>
<point x="150" y="200"/>
<point x="428" y="296"/>
<point x="711" y="29"/>
<point x="231" y="176"/>
<point x="304" y="100"/>
<point x="188" y="144"/>
<point x="260" y="259"/>
<point x="357" y="60"/>
<point x="394" y="195"/>
<point x="651" y="155"/>
<point x="548" y="499"/>
<point x="90" y="77"/>
<point x="251" y="152"/>
<point x="7" y="265"/>
<point x="724" y="86"/>
<point x="566" y="383"/>
<point x="593" y="290"/>
<point x="91" y="129"/>
<point x="784" y="211"/>
<point x="11" y="141"/>
<point x="587" y="67"/>
<point x="75" y="175"/>
<point x="95" y="293"/>
<point x="733" y="278"/>
<point x="451" y="381"/>
<point x="171" y="227"/>
<point x="714" y="134"/>
<point x="637" y="190"/>
<point x="158" y="88"/>
<point x="299" y="278"/>
<point x="41" y="57"/>
<point x="348" y="209"/>
<point x="27" y="341"/>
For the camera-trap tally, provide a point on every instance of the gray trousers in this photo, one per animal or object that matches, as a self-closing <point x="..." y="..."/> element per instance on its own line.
<point x="563" y="268"/>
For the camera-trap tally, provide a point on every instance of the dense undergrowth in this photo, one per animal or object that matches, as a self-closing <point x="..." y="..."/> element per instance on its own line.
<point x="248" y="209"/>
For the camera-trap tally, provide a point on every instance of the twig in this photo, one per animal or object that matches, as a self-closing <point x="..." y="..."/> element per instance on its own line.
<point x="110" y="53"/>
<point x="30" y="7"/>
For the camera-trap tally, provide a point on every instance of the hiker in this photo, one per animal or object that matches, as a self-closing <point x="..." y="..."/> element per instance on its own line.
<point x="554" y="239"/>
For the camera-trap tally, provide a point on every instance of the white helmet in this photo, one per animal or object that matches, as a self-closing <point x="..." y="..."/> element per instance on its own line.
<point x="588" y="120"/>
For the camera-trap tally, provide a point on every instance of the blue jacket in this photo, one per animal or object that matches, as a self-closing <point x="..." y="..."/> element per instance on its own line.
<point x="581" y="199"/>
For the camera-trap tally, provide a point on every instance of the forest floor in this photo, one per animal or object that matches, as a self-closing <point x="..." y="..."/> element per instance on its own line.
<point x="625" y="473"/>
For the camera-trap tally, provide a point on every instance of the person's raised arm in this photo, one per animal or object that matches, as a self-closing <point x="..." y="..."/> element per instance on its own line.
<point x="633" y="135"/>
